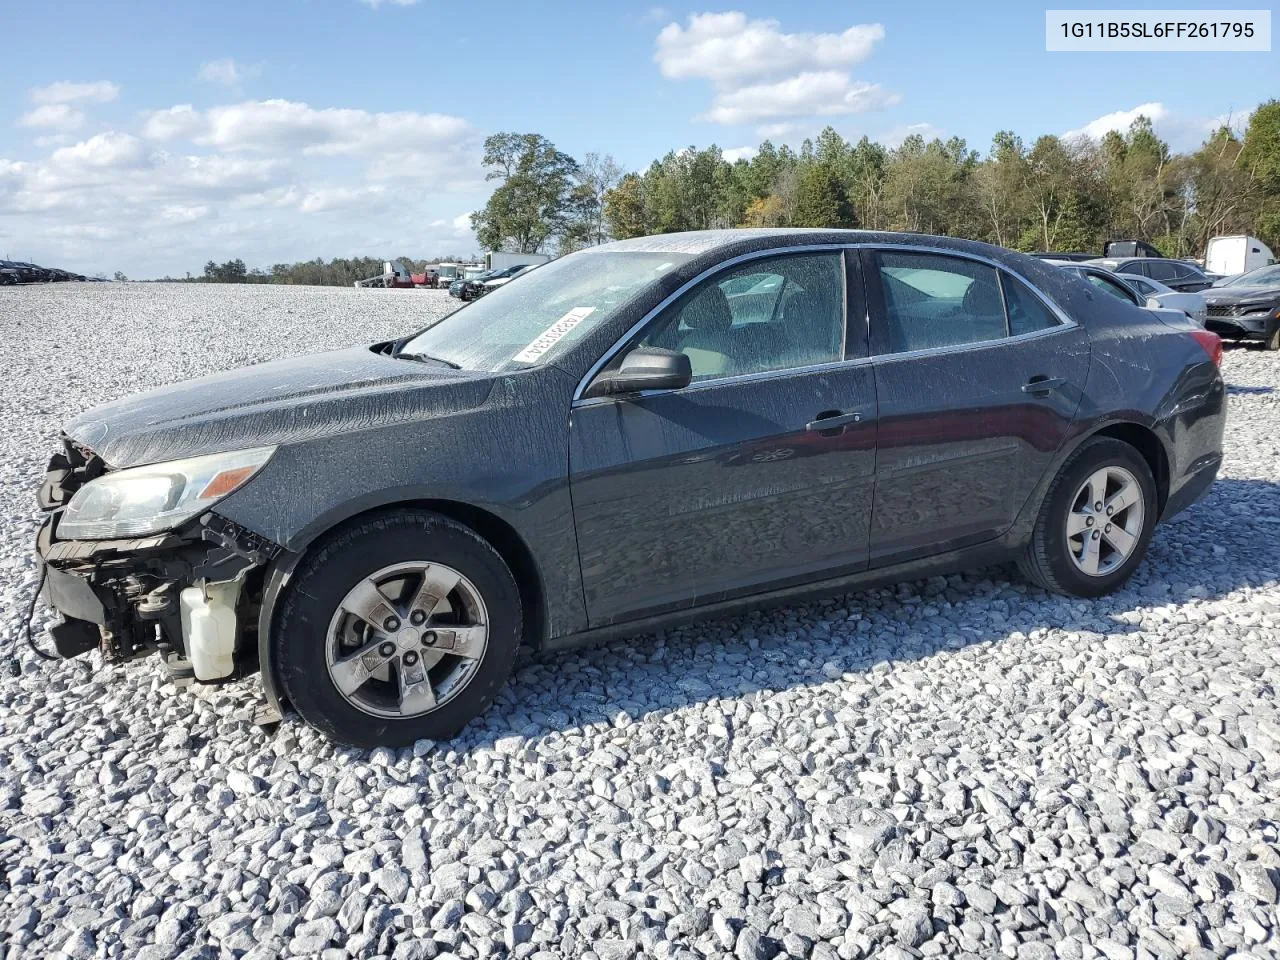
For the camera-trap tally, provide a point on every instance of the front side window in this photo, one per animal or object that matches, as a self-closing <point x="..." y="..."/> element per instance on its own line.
<point x="932" y="300"/>
<point x="1161" y="270"/>
<point x="773" y="313"/>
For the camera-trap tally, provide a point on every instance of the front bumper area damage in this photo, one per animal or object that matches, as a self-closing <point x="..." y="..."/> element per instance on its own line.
<point x="192" y="594"/>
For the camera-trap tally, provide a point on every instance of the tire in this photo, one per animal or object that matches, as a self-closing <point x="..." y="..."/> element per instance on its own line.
<point x="1048" y="557"/>
<point x="1272" y="342"/>
<point x="313" y="610"/>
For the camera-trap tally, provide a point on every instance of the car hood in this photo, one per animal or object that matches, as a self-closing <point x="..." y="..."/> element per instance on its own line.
<point x="1216" y="295"/>
<point x="281" y="401"/>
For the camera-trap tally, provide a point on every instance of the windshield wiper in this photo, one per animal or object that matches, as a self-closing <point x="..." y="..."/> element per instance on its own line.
<point x="427" y="358"/>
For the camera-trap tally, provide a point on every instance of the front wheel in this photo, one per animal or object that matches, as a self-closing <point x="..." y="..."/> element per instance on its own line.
<point x="398" y="628"/>
<point x="1273" y="342"/>
<point x="1095" y="523"/>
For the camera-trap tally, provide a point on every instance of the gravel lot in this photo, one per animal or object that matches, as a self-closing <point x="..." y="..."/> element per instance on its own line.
<point x="954" y="767"/>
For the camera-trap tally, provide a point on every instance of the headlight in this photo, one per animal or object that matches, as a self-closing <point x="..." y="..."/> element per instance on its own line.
<point x="145" y="500"/>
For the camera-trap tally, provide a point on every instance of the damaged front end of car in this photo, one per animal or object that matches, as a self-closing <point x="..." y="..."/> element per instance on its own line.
<point x="137" y="561"/>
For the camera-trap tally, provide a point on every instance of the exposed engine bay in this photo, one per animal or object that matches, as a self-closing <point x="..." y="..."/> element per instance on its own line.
<point x="191" y="594"/>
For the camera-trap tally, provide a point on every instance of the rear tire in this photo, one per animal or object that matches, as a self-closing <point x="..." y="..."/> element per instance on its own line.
<point x="1060" y="550"/>
<point x="315" y="637"/>
<point x="1273" y="342"/>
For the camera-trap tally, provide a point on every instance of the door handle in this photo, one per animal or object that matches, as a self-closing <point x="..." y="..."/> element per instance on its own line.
<point x="834" y="420"/>
<point x="1043" y="386"/>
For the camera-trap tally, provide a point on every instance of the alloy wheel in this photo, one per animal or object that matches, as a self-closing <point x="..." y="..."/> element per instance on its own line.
<point x="406" y="639"/>
<point x="1105" y="521"/>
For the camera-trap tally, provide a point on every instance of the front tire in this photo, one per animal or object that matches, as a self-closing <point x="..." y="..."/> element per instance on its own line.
<point x="399" y="627"/>
<point x="1095" y="523"/>
<point x="1273" y="342"/>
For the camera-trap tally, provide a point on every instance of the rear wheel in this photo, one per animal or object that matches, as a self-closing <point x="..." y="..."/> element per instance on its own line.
<point x="1095" y="523"/>
<point x="399" y="628"/>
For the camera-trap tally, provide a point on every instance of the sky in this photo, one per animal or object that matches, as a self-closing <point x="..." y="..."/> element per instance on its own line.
<point x="151" y="137"/>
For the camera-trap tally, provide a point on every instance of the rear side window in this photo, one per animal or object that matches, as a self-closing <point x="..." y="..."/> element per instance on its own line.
<point x="1027" y="312"/>
<point x="931" y="301"/>
<point x="1133" y="266"/>
<point x="1112" y="287"/>
<point x="1162" y="270"/>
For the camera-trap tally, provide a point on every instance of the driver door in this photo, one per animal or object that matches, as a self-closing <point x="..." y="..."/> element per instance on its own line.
<point x="733" y="484"/>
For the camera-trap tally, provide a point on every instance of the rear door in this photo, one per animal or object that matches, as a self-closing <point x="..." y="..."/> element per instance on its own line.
<point x="978" y="379"/>
<point x="758" y="474"/>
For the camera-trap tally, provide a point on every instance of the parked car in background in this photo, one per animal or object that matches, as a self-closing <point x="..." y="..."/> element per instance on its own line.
<point x="594" y="453"/>
<point x="477" y="287"/>
<point x="1174" y="274"/>
<point x="1247" y="307"/>
<point x="1120" y="249"/>
<point x="1191" y="303"/>
<point x="497" y="260"/>
<point x="1073" y="257"/>
<point x="488" y="286"/>
<point x="10" y="273"/>
<point x="1140" y="291"/>
<point x="1233" y="256"/>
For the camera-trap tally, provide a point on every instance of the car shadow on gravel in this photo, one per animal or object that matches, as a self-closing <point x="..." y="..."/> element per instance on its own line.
<point x="1227" y="542"/>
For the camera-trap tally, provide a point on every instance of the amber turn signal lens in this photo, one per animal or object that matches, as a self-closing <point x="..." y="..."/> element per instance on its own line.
<point x="226" y="481"/>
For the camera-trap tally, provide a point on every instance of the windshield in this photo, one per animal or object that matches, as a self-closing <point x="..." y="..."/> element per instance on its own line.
<point x="541" y="313"/>
<point x="1262" y="277"/>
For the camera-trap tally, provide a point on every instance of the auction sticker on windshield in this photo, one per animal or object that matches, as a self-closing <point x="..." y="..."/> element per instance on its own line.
<point x="553" y="334"/>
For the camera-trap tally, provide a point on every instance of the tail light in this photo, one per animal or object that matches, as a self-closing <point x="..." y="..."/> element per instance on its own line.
<point x="1212" y="344"/>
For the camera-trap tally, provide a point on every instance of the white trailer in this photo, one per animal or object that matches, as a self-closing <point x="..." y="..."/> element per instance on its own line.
<point x="1230" y="256"/>
<point x="496" y="260"/>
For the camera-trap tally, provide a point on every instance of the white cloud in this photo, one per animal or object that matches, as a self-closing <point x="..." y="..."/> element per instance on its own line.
<point x="893" y="138"/>
<point x="734" y="154"/>
<point x="180" y="122"/>
<point x="462" y="221"/>
<point x="728" y="48"/>
<point x="227" y="72"/>
<point x="828" y="93"/>
<point x="64" y="91"/>
<point x="52" y="116"/>
<point x="331" y="198"/>
<point x="273" y="125"/>
<point x="1182" y="131"/>
<point x="760" y="73"/>
<point x="1119" y="121"/>
<point x="109" y="150"/>
<point x="245" y="179"/>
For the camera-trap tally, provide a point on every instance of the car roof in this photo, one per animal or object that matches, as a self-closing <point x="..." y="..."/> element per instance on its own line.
<point x="723" y="243"/>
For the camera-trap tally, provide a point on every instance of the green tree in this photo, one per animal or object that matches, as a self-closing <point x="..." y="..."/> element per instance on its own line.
<point x="821" y="200"/>
<point x="624" y="209"/>
<point x="534" y="200"/>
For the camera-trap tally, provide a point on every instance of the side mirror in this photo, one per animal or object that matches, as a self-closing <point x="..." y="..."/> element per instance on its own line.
<point x="1153" y="304"/>
<point x="645" y="368"/>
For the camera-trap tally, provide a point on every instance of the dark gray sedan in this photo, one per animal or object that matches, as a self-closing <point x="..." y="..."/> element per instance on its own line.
<point x="648" y="431"/>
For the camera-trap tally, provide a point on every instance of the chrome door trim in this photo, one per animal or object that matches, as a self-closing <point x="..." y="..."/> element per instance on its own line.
<point x="1065" y="321"/>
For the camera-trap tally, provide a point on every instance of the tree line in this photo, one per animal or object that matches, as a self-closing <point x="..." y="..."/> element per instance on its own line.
<point x="1055" y="194"/>
<point x="338" y="272"/>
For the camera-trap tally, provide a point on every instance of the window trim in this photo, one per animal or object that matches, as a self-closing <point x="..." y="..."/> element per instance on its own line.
<point x="862" y="299"/>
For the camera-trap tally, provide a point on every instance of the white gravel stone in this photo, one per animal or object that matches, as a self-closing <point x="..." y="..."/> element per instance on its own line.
<point x="960" y="766"/>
